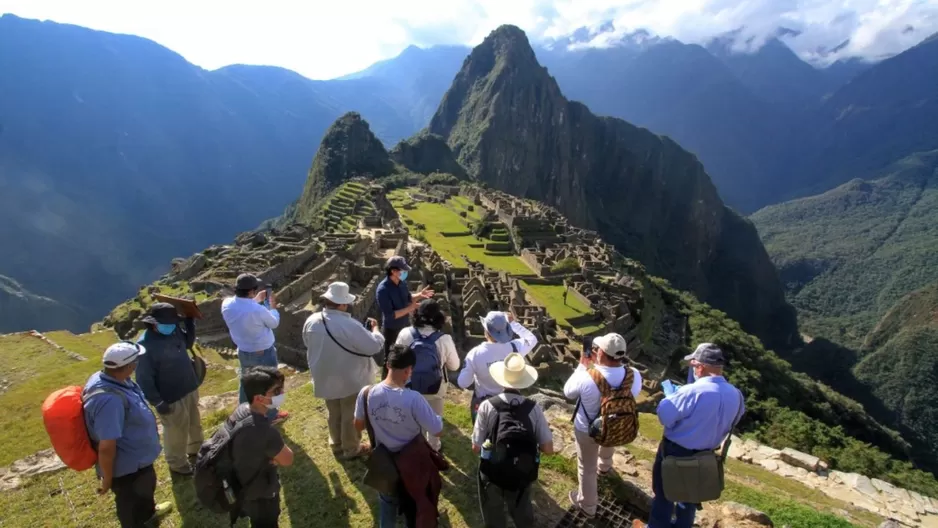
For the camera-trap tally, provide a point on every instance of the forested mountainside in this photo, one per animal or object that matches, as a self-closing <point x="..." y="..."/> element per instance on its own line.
<point x="510" y="126"/>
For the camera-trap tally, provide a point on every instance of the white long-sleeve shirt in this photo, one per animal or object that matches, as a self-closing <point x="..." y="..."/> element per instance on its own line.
<point x="250" y="323"/>
<point x="337" y="373"/>
<point x="445" y="347"/>
<point x="476" y="369"/>
<point x="581" y="385"/>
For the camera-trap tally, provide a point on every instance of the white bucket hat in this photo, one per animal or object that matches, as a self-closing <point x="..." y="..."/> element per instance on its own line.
<point x="338" y="293"/>
<point x="513" y="373"/>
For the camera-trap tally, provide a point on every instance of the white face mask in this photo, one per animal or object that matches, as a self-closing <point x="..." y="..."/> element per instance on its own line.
<point x="277" y="401"/>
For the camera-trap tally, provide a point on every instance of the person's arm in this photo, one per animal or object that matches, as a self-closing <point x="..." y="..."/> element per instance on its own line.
<point x="146" y="378"/>
<point x="480" y="430"/>
<point x="636" y="382"/>
<point x="388" y="313"/>
<point x="450" y="355"/>
<point x="571" y="389"/>
<point x="276" y="449"/>
<point x="362" y="340"/>
<point x="360" y="411"/>
<point x="425" y="416"/>
<point x="545" y="437"/>
<point x="405" y="337"/>
<point x="466" y="375"/>
<point x="526" y="339"/>
<point x="190" y="332"/>
<point x="107" y="452"/>
<point x="676" y="407"/>
<point x="270" y="318"/>
<point x="284" y="457"/>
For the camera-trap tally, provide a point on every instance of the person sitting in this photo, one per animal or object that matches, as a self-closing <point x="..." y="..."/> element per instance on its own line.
<point x="499" y="327"/>
<point x="428" y="328"/>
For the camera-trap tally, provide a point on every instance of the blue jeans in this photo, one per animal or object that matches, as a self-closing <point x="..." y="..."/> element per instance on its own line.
<point x="662" y="509"/>
<point x="387" y="516"/>
<point x="267" y="358"/>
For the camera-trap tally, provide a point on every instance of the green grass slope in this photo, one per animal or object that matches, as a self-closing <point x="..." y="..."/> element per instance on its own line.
<point x="846" y="256"/>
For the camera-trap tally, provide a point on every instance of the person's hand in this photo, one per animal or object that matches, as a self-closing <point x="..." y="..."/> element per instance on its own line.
<point x="426" y="293"/>
<point x="511" y="318"/>
<point x="261" y="295"/>
<point x="585" y="359"/>
<point x="371" y="324"/>
<point x="104" y="485"/>
<point x="163" y="408"/>
<point x="273" y="301"/>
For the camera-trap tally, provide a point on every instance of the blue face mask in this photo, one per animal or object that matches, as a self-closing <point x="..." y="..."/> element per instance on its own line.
<point x="166" y="329"/>
<point x="404" y="275"/>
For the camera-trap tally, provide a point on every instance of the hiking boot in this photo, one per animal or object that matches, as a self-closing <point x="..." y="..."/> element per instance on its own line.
<point x="282" y="416"/>
<point x="162" y="509"/>
<point x="575" y="502"/>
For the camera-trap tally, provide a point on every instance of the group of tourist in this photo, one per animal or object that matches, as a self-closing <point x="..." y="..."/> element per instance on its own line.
<point x="402" y="413"/>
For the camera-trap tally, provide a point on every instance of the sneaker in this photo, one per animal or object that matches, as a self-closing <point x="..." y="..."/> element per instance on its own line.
<point x="575" y="502"/>
<point x="162" y="509"/>
<point x="282" y="416"/>
<point x="182" y="472"/>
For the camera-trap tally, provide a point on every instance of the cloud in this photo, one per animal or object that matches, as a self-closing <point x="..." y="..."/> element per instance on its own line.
<point x="331" y="38"/>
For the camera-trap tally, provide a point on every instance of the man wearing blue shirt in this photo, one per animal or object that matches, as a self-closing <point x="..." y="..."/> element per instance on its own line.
<point x="123" y="430"/>
<point x="698" y="417"/>
<point x="396" y="303"/>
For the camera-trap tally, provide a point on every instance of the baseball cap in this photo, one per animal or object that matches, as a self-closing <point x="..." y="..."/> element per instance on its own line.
<point x="613" y="345"/>
<point x="247" y="281"/>
<point x="398" y="262"/>
<point x="707" y="354"/>
<point x="122" y="354"/>
<point x="496" y="324"/>
<point x="162" y="313"/>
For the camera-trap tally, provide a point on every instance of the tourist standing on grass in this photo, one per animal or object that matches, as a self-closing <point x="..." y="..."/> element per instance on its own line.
<point x="696" y="418"/>
<point x="427" y="337"/>
<point x="508" y="434"/>
<point x="499" y="328"/>
<point x="251" y="323"/>
<point x="169" y="382"/>
<point x="258" y="449"/>
<point x="601" y="366"/>
<point x="123" y="430"/>
<point x="340" y="353"/>
<point x="396" y="303"/>
<point x="398" y="418"/>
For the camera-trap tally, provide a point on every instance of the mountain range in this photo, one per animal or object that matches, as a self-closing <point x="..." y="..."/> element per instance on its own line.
<point x="117" y="154"/>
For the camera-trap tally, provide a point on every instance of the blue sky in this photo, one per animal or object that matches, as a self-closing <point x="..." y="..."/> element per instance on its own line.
<point x="327" y="38"/>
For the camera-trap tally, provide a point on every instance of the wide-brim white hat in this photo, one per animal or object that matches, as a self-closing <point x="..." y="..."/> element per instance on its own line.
<point x="514" y="372"/>
<point x="338" y="293"/>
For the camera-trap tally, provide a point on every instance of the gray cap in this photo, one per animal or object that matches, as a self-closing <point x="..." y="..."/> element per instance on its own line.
<point x="707" y="354"/>
<point x="397" y="262"/>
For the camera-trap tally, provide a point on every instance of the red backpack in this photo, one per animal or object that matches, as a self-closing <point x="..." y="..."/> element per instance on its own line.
<point x="64" y="417"/>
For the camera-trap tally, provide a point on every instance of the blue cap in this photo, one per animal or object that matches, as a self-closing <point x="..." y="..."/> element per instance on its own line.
<point x="497" y="326"/>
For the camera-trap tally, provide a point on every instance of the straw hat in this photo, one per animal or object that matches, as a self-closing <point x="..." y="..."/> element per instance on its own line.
<point x="513" y="373"/>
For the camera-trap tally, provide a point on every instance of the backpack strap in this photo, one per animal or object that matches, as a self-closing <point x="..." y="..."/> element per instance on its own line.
<point x="371" y="430"/>
<point x="514" y="347"/>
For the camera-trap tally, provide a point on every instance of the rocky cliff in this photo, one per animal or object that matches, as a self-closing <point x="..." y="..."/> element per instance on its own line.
<point x="348" y="149"/>
<point x="510" y="126"/>
<point x="427" y="153"/>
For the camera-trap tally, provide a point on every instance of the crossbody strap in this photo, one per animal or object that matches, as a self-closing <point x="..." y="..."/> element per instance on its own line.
<point x="371" y="430"/>
<point x="729" y="436"/>
<point x="336" y="341"/>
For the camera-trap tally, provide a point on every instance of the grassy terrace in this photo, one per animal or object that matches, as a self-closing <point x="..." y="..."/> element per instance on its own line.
<point x="34" y="369"/>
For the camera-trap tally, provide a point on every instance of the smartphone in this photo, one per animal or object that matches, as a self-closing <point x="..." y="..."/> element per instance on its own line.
<point x="270" y="292"/>
<point x="588" y="346"/>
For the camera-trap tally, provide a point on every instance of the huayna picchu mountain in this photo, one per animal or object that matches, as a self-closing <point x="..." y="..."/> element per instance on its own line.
<point x="510" y="126"/>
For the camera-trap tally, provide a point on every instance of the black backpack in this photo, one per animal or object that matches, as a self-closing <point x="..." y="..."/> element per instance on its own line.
<point x="514" y="461"/>
<point x="216" y="484"/>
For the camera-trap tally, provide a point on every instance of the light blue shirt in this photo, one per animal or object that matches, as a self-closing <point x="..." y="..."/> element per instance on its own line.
<point x="397" y="415"/>
<point x="250" y="323"/>
<point x="133" y="425"/>
<point x="700" y="415"/>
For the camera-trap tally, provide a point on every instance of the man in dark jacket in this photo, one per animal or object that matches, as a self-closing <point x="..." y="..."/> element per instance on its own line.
<point x="171" y="385"/>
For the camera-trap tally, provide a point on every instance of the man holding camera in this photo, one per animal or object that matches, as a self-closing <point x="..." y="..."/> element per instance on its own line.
<point x="340" y="352"/>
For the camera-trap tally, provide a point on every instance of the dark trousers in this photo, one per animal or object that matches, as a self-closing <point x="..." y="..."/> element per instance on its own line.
<point x="390" y="337"/>
<point x="133" y="495"/>
<point x="493" y="502"/>
<point x="662" y="510"/>
<point x="263" y="513"/>
<point x="474" y="406"/>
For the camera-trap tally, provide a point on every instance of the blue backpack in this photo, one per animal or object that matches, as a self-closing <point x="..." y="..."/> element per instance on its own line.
<point x="428" y="372"/>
